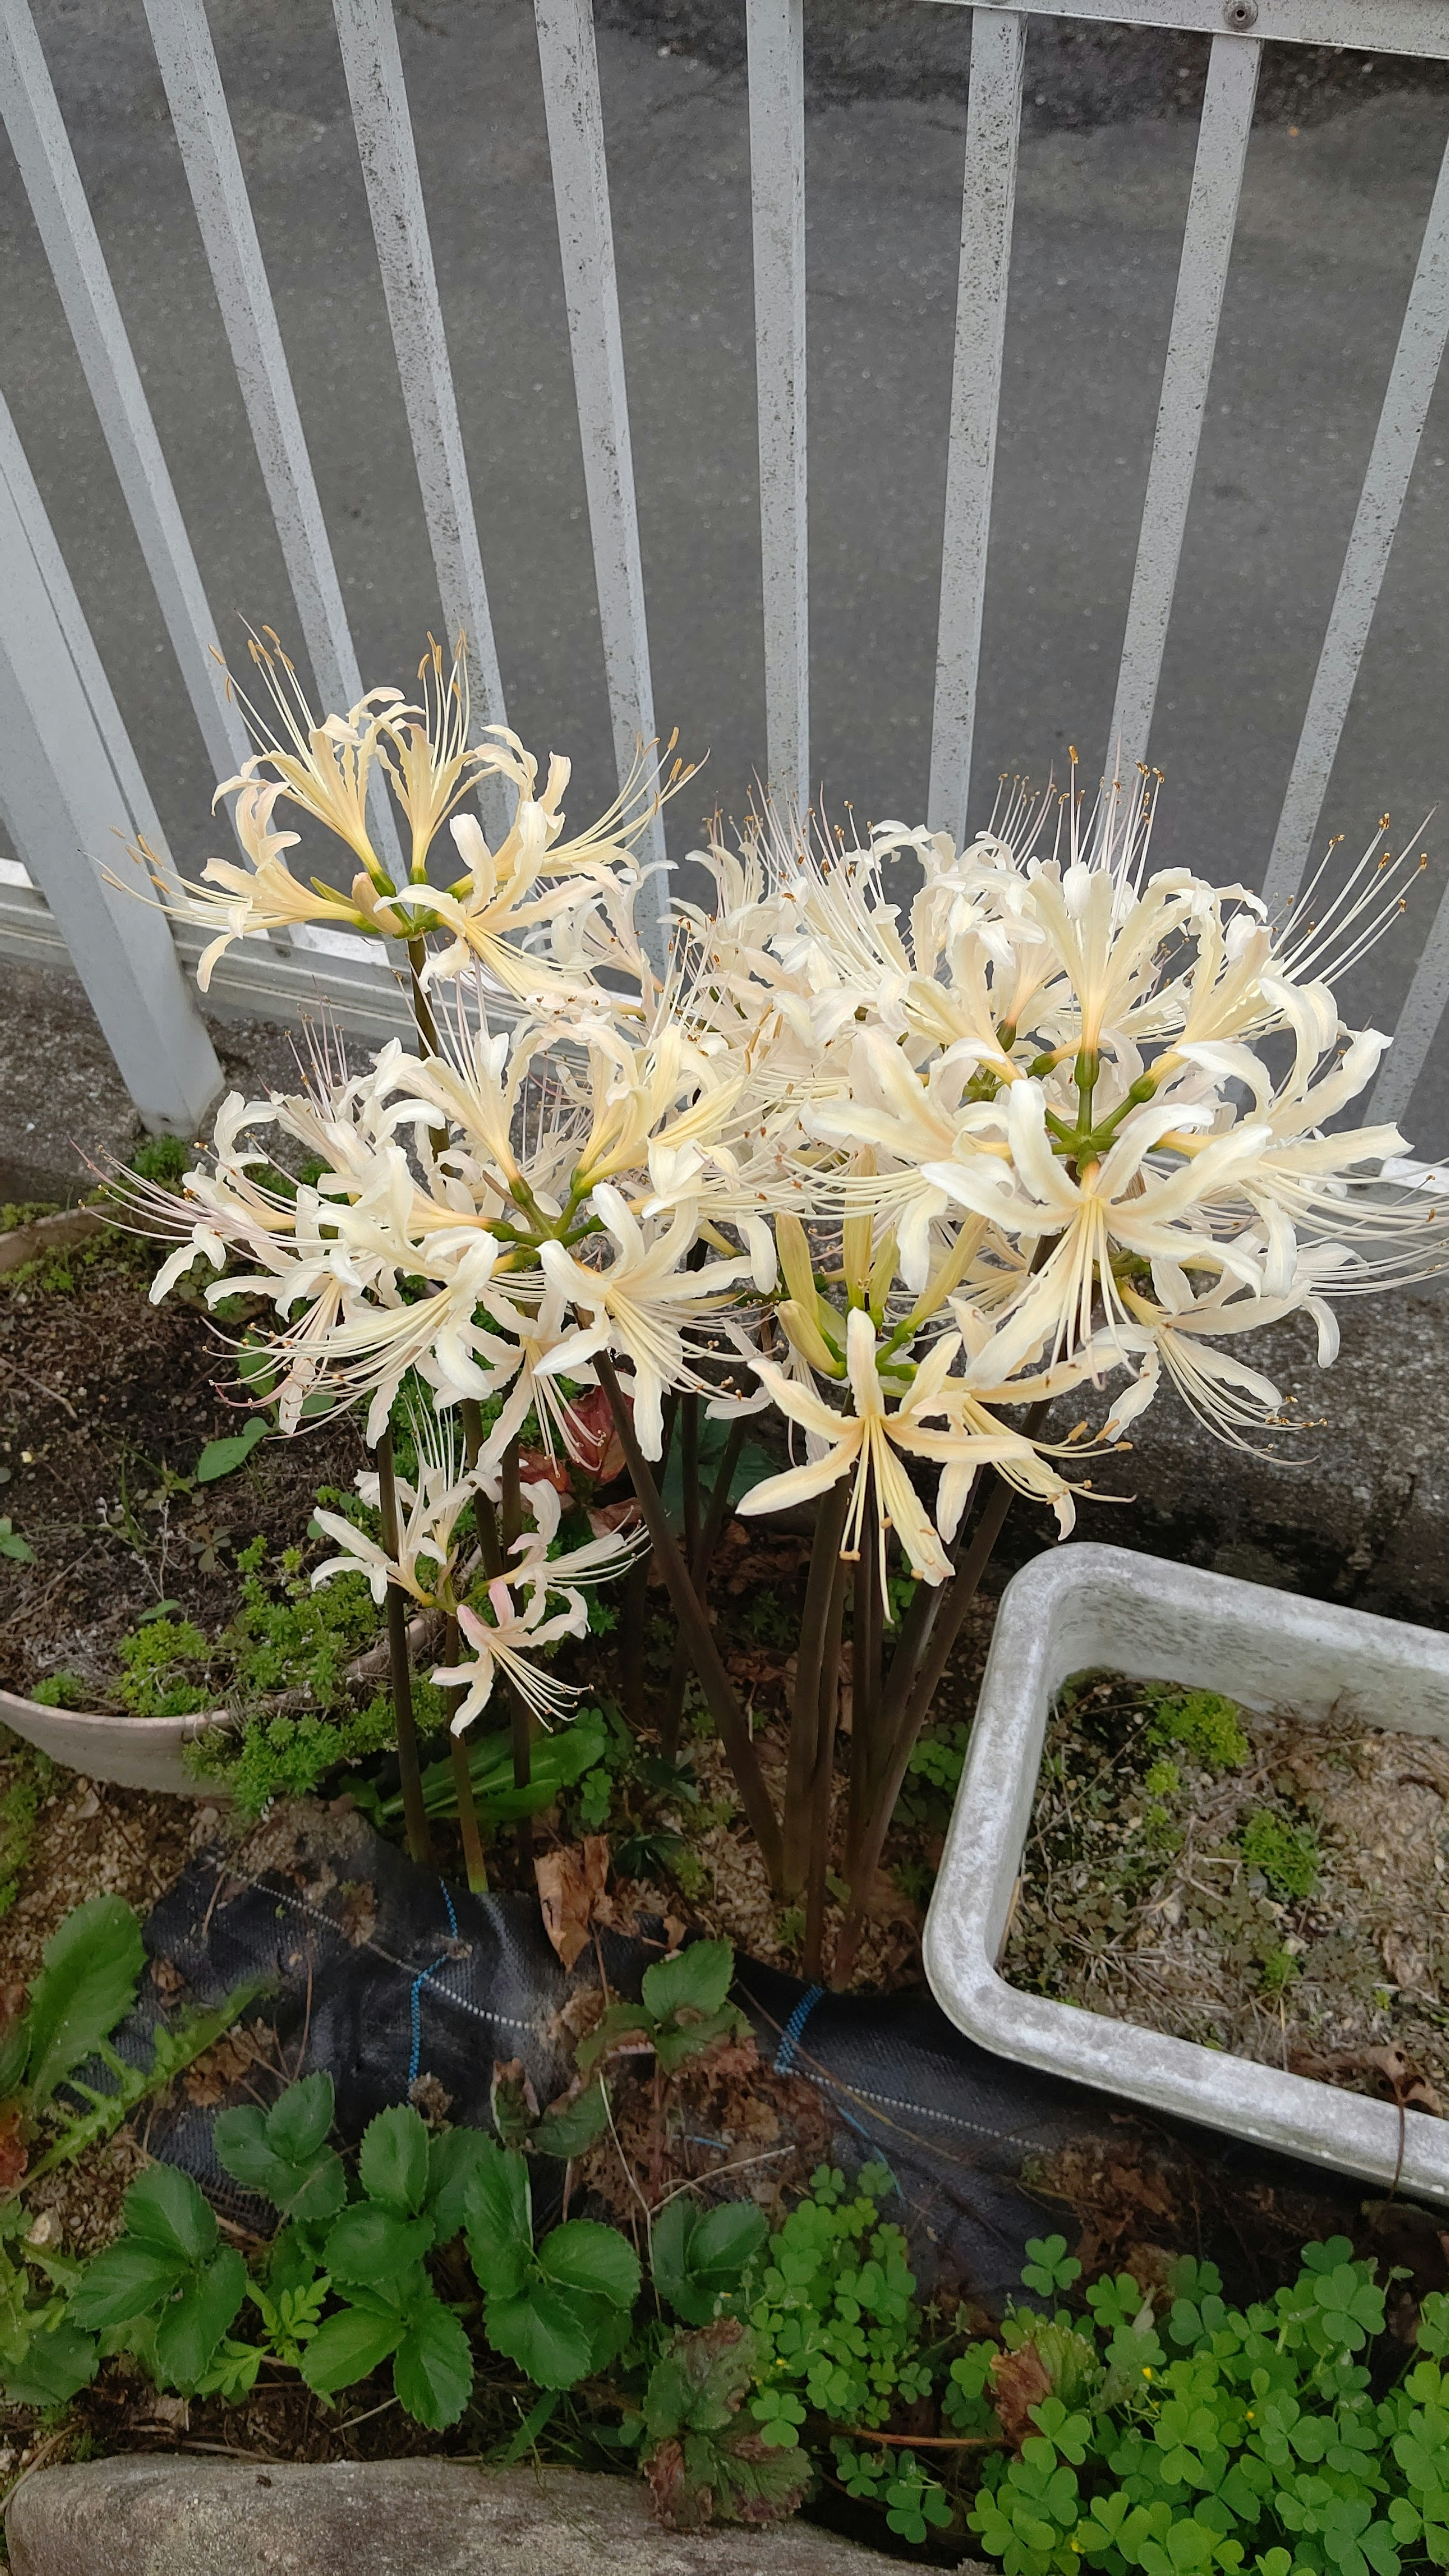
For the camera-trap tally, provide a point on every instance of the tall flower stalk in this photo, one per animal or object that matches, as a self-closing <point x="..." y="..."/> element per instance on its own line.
<point x="903" y="1156"/>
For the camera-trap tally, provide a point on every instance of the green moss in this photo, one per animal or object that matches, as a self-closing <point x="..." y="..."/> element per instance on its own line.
<point x="289" y="1757"/>
<point x="1203" y="1723"/>
<point x="158" y="1670"/>
<point x="61" y="1690"/>
<point x="164" y="1159"/>
<point x="286" y="1638"/>
<point x="1287" y="1855"/>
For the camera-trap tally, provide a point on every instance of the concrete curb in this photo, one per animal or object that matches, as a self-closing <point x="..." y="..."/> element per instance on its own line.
<point x="157" y="2516"/>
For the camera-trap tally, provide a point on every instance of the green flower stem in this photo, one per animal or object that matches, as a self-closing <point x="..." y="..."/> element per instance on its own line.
<point x="420" y="1841"/>
<point x="694" y="1621"/>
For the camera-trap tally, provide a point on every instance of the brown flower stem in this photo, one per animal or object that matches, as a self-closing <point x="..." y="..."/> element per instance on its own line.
<point x="865" y="1681"/>
<point x="494" y="1562"/>
<point x="958" y="1597"/>
<point x="806" y="1707"/>
<point x="635" y="1612"/>
<point x="708" y="1662"/>
<point x="512" y="1500"/>
<point x="634" y="1616"/>
<point x="689" y="1472"/>
<point x="709" y="1538"/>
<point x="420" y="1841"/>
<point x="472" y="1838"/>
<point x="823" y="1784"/>
<point x="915" y="1636"/>
<point x="519" y="1722"/>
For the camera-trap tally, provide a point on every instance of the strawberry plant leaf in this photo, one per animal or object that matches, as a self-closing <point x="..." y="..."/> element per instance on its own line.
<point x="392" y="2164"/>
<point x="432" y="2369"/>
<point x="597" y="2260"/>
<point x="548" y="2332"/>
<point x="697" y="1979"/>
<point x="348" y="2346"/>
<point x="192" y="2326"/>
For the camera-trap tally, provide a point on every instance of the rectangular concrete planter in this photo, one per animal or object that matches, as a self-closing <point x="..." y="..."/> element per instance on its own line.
<point x="1084" y="1606"/>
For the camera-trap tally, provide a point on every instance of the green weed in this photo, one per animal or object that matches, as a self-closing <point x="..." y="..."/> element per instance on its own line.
<point x="1288" y="1855"/>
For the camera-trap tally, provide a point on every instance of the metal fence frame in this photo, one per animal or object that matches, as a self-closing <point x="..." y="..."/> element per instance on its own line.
<point x="72" y="780"/>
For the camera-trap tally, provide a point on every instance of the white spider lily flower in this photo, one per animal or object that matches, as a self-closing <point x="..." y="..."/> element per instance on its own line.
<point x="369" y="1347"/>
<point x="639" y="1306"/>
<point x="517" y="1369"/>
<point x="322" y="767"/>
<point x="1174" y="1330"/>
<point x="258" y="893"/>
<point x="871" y="1442"/>
<point x="515" y="1634"/>
<point x="507" y="1644"/>
<point x="1115" y="1203"/>
<point x="429" y="1513"/>
<point x="597" y="1560"/>
<point x="425" y="752"/>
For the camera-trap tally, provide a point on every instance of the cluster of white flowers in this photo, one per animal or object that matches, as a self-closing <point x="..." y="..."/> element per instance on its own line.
<point x="895" y="1160"/>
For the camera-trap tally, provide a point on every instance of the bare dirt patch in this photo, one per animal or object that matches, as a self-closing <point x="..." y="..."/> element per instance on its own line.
<point x="106" y="1403"/>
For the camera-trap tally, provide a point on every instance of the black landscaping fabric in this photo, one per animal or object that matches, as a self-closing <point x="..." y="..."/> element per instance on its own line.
<point x="382" y="1973"/>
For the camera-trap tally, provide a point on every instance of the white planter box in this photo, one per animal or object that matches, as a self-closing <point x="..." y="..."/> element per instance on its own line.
<point x="1080" y="1606"/>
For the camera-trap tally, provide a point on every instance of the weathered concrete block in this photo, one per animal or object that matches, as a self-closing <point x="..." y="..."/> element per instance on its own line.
<point x="1351" y="1507"/>
<point x="163" y="2516"/>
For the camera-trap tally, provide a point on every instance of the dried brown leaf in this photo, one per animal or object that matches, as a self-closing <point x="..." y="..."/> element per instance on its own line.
<point x="570" y="1886"/>
<point x="1019" y="2381"/>
<point x="14" y="2155"/>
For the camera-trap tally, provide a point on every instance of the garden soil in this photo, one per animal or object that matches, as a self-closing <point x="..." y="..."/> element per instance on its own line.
<point x="1291" y="1906"/>
<point x="106" y="1404"/>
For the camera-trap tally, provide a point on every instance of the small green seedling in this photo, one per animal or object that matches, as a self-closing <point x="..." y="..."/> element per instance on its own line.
<point x="684" y="2009"/>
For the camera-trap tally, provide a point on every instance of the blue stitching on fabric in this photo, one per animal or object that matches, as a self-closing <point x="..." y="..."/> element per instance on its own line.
<point x="415" y="1992"/>
<point x="790" y="2035"/>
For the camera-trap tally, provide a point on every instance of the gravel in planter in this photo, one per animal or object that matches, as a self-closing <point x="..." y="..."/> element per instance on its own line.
<point x="1251" y="1882"/>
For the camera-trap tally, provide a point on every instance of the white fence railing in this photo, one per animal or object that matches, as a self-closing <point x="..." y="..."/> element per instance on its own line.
<point x="69" y="780"/>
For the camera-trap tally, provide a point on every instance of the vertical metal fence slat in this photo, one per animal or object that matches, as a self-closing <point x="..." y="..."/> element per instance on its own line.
<point x="68" y="235"/>
<point x="777" y="194"/>
<point x="1212" y="214"/>
<point x="1418" y="1024"/>
<point x="568" y="59"/>
<point x="63" y="802"/>
<point x="203" y="128"/>
<point x="993" y="132"/>
<point x="138" y="816"/>
<point x="1396" y="441"/>
<point x="372" y="62"/>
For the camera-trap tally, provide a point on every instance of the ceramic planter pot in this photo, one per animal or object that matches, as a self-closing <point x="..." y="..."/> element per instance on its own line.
<point x="1081" y="1606"/>
<point x="133" y="1752"/>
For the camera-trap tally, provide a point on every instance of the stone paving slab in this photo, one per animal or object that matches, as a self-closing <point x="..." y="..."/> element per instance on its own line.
<point x="163" y="2516"/>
